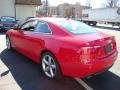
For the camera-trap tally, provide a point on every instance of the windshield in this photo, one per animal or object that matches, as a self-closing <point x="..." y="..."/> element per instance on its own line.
<point x="7" y="19"/>
<point x="76" y="27"/>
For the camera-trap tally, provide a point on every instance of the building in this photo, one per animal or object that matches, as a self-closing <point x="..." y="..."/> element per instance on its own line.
<point x="52" y="11"/>
<point x="67" y="10"/>
<point x="26" y="8"/>
<point x="78" y="10"/>
<point x="7" y="8"/>
<point x="20" y="9"/>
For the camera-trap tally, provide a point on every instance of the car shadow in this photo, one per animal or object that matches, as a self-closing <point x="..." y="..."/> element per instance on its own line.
<point x="105" y="81"/>
<point x="29" y="76"/>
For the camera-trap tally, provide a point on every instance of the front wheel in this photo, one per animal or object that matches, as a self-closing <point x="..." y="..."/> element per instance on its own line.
<point x="50" y="66"/>
<point x="8" y="43"/>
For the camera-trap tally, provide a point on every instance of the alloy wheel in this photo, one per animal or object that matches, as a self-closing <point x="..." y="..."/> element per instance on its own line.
<point x="8" y="44"/>
<point x="49" y="66"/>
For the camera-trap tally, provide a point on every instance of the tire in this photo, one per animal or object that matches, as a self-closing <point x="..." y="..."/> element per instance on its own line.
<point x="118" y="11"/>
<point x="94" y="24"/>
<point x="50" y="66"/>
<point x="8" y="43"/>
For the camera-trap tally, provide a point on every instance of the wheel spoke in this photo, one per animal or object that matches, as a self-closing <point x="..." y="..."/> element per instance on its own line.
<point x="51" y="72"/>
<point x="49" y="59"/>
<point x="46" y="69"/>
<point x="53" y="66"/>
<point x="45" y="61"/>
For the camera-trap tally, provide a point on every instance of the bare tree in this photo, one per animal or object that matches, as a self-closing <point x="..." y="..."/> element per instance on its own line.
<point x="110" y="3"/>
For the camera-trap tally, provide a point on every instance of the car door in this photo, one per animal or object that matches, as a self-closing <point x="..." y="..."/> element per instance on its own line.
<point x="17" y="35"/>
<point x="30" y="38"/>
<point x="35" y="40"/>
<point x="23" y="38"/>
<point x="38" y="38"/>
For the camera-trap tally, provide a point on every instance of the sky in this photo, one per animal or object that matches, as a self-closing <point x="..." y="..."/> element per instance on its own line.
<point x="94" y="3"/>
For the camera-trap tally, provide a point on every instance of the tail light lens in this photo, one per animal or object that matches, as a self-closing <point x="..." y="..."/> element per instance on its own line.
<point x="89" y="54"/>
<point x="113" y="43"/>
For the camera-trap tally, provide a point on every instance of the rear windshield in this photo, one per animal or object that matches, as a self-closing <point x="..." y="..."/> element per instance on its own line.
<point x="7" y="19"/>
<point x="76" y="27"/>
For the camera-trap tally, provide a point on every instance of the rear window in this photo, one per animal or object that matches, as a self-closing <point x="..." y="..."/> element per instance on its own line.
<point x="76" y="27"/>
<point x="7" y="19"/>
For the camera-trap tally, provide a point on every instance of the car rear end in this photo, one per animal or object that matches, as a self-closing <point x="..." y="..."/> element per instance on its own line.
<point x="97" y="51"/>
<point x="7" y="22"/>
<point x="99" y="57"/>
<point x="94" y="57"/>
<point x="8" y="26"/>
<point x="86" y="51"/>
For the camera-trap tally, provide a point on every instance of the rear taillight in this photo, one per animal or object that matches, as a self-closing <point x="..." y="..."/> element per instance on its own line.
<point x="100" y="52"/>
<point x="89" y="54"/>
<point x="113" y="43"/>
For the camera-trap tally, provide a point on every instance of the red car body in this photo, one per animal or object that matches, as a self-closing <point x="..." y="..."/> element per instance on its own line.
<point x="78" y="55"/>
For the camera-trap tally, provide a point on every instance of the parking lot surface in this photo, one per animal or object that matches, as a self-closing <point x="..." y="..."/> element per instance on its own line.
<point x="18" y="72"/>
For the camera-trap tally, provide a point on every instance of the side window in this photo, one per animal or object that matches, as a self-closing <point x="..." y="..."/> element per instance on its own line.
<point x="42" y="27"/>
<point x="29" y="26"/>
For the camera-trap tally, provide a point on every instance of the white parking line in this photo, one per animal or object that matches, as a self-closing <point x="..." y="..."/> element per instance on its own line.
<point x="7" y="81"/>
<point x="81" y="82"/>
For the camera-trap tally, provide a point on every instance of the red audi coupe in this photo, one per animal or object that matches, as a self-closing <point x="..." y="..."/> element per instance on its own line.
<point x="63" y="47"/>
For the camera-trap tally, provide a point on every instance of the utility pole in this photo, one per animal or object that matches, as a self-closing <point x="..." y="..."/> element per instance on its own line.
<point x="15" y="9"/>
<point x="46" y="7"/>
<point x="89" y="3"/>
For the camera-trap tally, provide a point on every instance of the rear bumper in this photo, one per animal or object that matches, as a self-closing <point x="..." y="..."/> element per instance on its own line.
<point x="4" y="28"/>
<point x="79" y="69"/>
<point x="7" y="28"/>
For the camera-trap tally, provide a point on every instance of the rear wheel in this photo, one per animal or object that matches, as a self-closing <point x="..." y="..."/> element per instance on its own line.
<point x="8" y="43"/>
<point x="94" y="24"/>
<point x="50" y="66"/>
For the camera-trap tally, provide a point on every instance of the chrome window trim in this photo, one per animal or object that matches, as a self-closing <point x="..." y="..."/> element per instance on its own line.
<point x="26" y="23"/>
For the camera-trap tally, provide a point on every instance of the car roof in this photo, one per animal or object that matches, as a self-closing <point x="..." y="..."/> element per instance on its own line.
<point x="51" y="19"/>
<point x="8" y="16"/>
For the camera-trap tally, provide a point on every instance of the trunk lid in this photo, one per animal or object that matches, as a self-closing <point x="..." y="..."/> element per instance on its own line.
<point x="96" y="45"/>
<point x="94" y="39"/>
